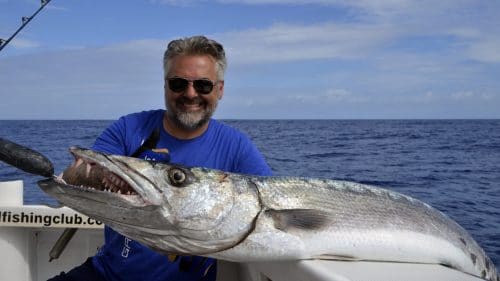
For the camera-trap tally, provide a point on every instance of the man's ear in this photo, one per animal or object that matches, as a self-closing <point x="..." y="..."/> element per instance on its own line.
<point x="221" y="89"/>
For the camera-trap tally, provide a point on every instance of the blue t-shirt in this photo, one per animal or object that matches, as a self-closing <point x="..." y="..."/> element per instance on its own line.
<point x="220" y="147"/>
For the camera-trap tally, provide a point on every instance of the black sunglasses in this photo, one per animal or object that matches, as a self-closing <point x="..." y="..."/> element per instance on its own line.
<point x="179" y="85"/>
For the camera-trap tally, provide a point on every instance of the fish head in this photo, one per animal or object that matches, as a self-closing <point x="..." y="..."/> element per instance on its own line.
<point x="168" y="207"/>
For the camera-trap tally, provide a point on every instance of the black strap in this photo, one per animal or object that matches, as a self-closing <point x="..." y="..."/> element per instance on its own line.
<point x="149" y="143"/>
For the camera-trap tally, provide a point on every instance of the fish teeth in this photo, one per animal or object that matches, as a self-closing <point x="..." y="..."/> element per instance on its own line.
<point x="88" y="168"/>
<point x="115" y="184"/>
<point x="79" y="162"/>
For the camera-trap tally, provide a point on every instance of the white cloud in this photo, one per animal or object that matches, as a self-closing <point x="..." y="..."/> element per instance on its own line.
<point x="85" y="83"/>
<point x="381" y="8"/>
<point x="470" y="28"/>
<point x="334" y="97"/>
<point x="22" y="43"/>
<point x="293" y="2"/>
<point x="291" y="42"/>
<point x="417" y="99"/>
<point x="471" y="95"/>
<point x="434" y="97"/>
<point x="53" y="6"/>
<point x="179" y="3"/>
<point x="280" y="100"/>
<point x="485" y="50"/>
<point x="463" y="95"/>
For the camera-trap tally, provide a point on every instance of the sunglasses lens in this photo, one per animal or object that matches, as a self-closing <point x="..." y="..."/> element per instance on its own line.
<point x="203" y="86"/>
<point x="177" y="84"/>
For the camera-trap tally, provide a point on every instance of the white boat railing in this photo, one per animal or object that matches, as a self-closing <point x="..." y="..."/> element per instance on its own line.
<point x="29" y="232"/>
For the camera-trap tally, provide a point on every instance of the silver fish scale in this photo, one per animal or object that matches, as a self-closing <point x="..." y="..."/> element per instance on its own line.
<point x="356" y="207"/>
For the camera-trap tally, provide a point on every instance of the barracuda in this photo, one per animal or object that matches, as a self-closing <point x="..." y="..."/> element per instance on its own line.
<point x="198" y="211"/>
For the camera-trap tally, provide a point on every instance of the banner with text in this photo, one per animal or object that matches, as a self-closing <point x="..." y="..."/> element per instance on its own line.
<point x="43" y="216"/>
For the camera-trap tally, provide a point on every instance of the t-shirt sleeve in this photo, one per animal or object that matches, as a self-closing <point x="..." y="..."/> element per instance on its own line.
<point x="251" y="161"/>
<point x="112" y="140"/>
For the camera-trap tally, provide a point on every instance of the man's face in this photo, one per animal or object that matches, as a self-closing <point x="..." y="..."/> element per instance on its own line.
<point x="189" y="109"/>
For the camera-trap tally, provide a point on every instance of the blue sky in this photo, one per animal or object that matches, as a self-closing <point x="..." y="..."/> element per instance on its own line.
<point x="366" y="59"/>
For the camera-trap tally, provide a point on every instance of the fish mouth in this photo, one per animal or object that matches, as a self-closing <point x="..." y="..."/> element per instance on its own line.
<point x="101" y="173"/>
<point x="89" y="173"/>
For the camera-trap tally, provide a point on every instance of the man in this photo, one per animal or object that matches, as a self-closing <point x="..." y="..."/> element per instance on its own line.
<point x="185" y="134"/>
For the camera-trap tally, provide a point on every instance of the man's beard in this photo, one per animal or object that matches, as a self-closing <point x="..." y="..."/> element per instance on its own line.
<point x="190" y="120"/>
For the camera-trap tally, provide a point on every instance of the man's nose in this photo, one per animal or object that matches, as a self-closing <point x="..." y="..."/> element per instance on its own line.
<point x="190" y="92"/>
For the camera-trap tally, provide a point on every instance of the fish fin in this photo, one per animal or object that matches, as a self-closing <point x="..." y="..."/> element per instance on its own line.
<point x="304" y="219"/>
<point x="336" y="257"/>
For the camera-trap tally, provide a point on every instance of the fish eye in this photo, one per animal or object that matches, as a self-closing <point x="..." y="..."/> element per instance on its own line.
<point x="177" y="177"/>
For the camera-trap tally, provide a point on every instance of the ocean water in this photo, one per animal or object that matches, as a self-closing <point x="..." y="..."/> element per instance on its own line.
<point x="454" y="165"/>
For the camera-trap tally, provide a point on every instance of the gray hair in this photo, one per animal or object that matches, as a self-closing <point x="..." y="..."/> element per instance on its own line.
<point x="196" y="45"/>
